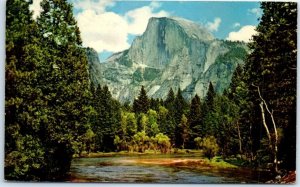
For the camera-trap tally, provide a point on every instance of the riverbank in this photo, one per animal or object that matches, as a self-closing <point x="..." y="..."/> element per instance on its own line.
<point x="161" y="168"/>
<point x="147" y="152"/>
<point x="198" y="159"/>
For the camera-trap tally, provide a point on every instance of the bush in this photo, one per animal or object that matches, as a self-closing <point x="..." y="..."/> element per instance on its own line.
<point x="209" y="146"/>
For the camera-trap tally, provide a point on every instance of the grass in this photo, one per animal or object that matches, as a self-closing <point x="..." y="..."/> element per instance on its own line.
<point x="217" y="161"/>
<point x="147" y="152"/>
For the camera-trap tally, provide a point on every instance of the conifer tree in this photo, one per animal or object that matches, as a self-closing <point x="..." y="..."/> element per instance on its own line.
<point x="65" y="86"/>
<point x="271" y="78"/>
<point x="24" y="121"/>
<point x="185" y="131"/>
<point x="180" y="108"/>
<point x="169" y="102"/>
<point x="141" y="104"/>
<point x="209" y="99"/>
<point x="195" y="119"/>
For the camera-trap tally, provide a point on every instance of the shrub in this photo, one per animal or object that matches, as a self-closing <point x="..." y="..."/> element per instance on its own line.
<point x="209" y="146"/>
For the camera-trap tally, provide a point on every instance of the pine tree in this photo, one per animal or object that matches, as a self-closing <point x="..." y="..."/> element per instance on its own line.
<point x="209" y="99"/>
<point x="195" y="119"/>
<point x="24" y="149"/>
<point x="271" y="77"/>
<point x="184" y="128"/>
<point x="65" y="86"/>
<point x="109" y="119"/>
<point x="180" y="108"/>
<point x="238" y="94"/>
<point x="169" y="102"/>
<point x="141" y="104"/>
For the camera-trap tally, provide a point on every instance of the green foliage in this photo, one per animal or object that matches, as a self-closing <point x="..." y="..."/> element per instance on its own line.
<point x="198" y="142"/>
<point x="209" y="146"/>
<point x="184" y="131"/>
<point x="169" y="102"/>
<point x="153" y="126"/>
<point x="107" y="119"/>
<point x="195" y="119"/>
<point x="163" y="143"/>
<point x="272" y="67"/>
<point x="47" y="91"/>
<point x="180" y="108"/>
<point x="52" y="112"/>
<point x="141" y="104"/>
<point x="140" y="140"/>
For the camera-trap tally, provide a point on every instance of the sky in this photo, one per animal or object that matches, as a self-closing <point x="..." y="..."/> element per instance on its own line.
<point x="110" y="26"/>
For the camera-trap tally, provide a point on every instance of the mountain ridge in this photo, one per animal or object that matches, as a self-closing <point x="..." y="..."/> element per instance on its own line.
<point x="171" y="53"/>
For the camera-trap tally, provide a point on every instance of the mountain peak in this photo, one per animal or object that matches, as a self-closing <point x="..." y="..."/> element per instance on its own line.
<point x="172" y="53"/>
<point x="191" y="28"/>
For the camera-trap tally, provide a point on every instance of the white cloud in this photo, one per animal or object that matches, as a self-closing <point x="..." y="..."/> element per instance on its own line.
<point x="108" y="31"/>
<point x="103" y="32"/>
<point x="36" y="8"/>
<point x="244" y="34"/>
<point x="236" y="25"/>
<point x="256" y="11"/>
<point x="97" y="6"/>
<point x="138" y="18"/>
<point x="214" y="26"/>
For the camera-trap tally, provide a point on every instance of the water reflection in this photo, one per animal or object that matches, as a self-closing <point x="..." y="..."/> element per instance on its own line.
<point x="156" y="169"/>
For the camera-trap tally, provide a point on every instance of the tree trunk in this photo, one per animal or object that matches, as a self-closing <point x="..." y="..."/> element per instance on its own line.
<point x="264" y="122"/>
<point x="240" y="138"/>
<point x="262" y="104"/>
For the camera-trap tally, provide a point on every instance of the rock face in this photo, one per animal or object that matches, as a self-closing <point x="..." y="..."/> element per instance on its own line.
<point x="172" y="53"/>
<point x="93" y="64"/>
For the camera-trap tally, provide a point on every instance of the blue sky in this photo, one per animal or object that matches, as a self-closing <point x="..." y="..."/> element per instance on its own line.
<point x="244" y="13"/>
<point x="109" y="26"/>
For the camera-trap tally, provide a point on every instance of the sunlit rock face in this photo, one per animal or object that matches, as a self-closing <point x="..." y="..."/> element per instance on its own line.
<point x="171" y="53"/>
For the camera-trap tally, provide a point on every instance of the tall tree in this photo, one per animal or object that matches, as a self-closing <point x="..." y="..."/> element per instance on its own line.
<point x="271" y="77"/>
<point x="65" y="87"/>
<point x="195" y="119"/>
<point x="238" y="94"/>
<point x="24" y="148"/>
<point x="209" y="99"/>
<point x="142" y="103"/>
<point x="180" y="108"/>
<point x="184" y="128"/>
<point x="169" y="102"/>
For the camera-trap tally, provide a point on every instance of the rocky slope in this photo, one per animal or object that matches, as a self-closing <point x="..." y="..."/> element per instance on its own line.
<point x="172" y="53"/>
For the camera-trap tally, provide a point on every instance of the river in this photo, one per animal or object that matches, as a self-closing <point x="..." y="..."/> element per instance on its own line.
<point x="156" y="169"/>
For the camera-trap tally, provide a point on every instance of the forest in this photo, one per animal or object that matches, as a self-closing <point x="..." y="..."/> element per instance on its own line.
<point x="54" y="113"/>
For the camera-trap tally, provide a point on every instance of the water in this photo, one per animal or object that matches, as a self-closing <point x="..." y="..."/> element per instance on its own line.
<point x="156" y="169"/>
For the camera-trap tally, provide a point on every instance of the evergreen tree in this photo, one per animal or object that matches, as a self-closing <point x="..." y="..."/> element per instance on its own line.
<point x="271" y="77"/>
<point x="195" y="119"/>
<point x="65" y="86"/>
<point x="24" y="148"/>
<point x="47" y="93"/>
<point x="238" y="94"/>
<point x="107" y="119"/>
<point x="180" y="108"/>
<point x="153" y="126"/>
<point x="141" y="104"/>
<point x="154" y="104"/>
<point x="169" y="102"/>
<point x="209" y="99"/>
<point x="184" y="128"/>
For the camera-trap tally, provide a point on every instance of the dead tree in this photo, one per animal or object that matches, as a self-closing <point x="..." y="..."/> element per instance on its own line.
<point x="263" y="105"/>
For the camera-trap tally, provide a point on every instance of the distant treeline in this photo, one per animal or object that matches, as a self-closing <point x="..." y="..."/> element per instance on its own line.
<point x="52" y="111"/>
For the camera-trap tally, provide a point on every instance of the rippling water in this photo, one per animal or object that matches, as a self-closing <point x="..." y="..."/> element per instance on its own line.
<point x="152" y="169"/>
